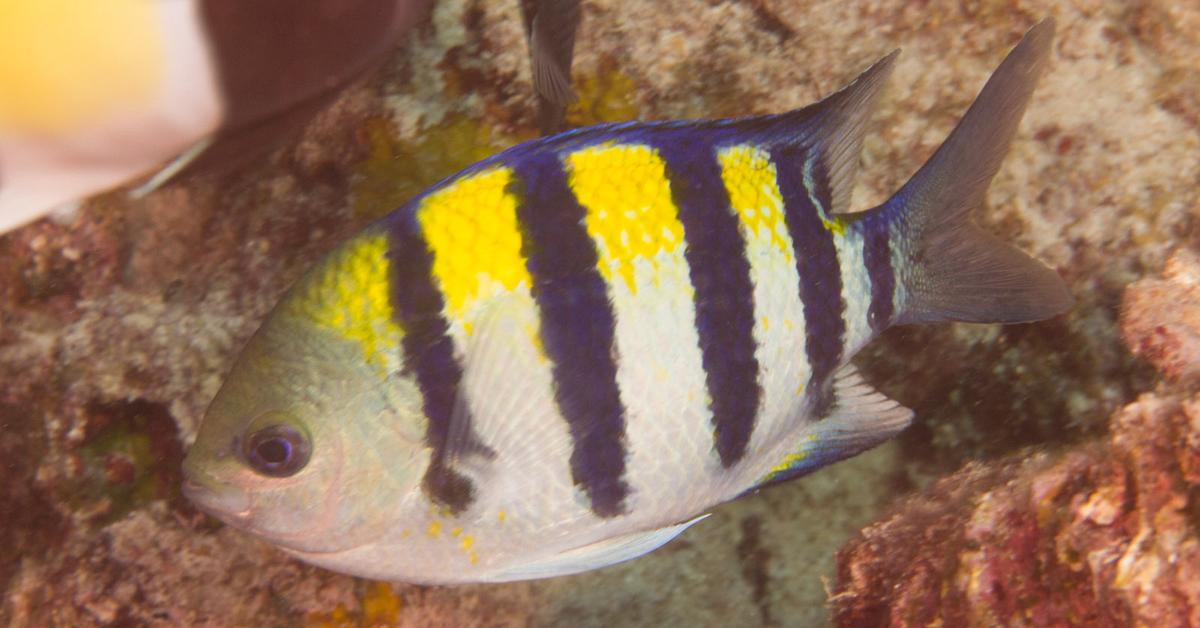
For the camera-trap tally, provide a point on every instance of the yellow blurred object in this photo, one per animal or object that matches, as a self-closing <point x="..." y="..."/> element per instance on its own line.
<point x="71" y="62"/>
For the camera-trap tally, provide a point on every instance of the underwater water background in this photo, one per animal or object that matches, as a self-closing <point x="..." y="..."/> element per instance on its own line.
<point x="1050" y="477"/>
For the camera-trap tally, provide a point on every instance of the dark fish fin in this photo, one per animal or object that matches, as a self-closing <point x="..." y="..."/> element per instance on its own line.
<point x="552" y="47"/>
<point x="602" y="553"/>
<point x="834" y="128"/>
<point x="859" y="419"/>
<point x="281" y="62"/>
<point x="964" y="274"/>
<point x="233" y="147"/>
<point x="955" y="271"/>
<point x="551" y="26"/>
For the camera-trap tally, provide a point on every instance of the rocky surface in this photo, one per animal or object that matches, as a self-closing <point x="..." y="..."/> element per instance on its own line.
<point x="1161" y="321"/>
<point x="116" y="328"/>
<point x="1100" y="536"/>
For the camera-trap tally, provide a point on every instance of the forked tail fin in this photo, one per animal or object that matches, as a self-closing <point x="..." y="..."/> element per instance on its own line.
<point x="952" y="270"/>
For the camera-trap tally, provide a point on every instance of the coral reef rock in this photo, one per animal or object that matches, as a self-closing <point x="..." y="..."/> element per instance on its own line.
<point x="1161" y="319"/>
<point x="1105" y="533"/>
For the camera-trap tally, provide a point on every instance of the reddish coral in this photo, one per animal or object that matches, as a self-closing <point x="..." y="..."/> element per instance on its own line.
<point x="1161" y="318"/>
<point x="1104" y="534"/>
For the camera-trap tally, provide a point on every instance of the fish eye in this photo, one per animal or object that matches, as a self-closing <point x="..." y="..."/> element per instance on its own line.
<point x="277" y="450"/>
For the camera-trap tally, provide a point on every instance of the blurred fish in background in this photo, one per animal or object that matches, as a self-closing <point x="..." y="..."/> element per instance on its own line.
<point x="550" y="27"/>
<point x="94" y="94"/>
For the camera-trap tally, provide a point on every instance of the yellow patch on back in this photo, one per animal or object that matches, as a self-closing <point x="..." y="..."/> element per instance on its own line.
<point x="630" y="213"/>
<point x="66" y="63"/>
<point x="348" y="293"/>
<point x="471" y="227"/>
<point x="750" y="179"/>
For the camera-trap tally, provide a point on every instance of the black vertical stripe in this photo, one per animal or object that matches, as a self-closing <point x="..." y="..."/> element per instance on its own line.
<point x="817" y="264"/>
<point x="429" y="356"/>
<point x="577" y="327"/>
<point x="724" y="292"/>
<point x="877" y="257"/>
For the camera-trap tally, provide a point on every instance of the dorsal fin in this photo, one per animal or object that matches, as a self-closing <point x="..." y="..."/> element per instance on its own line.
<point x="843" y="122"/>
<point x="834" y="128"/>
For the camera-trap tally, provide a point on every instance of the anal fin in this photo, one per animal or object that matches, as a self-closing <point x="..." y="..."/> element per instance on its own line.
<point x="859" y="419"/>
<point x="596" y="555"/>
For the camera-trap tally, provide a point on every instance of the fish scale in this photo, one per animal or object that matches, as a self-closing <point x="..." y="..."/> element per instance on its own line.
<point x="577" y="328"/>
<point x="779" y="332"/>
<point x="724" y="301"/>
<point x="820" y="276"/>
<point x="877" y="257"/>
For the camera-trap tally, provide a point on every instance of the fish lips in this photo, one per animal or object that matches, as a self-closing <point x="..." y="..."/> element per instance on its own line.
<point x="227" y="503"/>
<point x="235" y="507"/>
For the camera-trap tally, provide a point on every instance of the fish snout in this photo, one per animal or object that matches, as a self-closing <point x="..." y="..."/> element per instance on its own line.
<point x="228" y="503"/>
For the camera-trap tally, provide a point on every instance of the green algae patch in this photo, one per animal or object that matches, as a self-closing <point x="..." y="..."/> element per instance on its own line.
<point x="397" y="169"/>
<point x="130" y="457"/>
<point x="606" y="96"/>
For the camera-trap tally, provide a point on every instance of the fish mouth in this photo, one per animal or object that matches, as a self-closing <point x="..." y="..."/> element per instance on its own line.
<point x="224" y="502"/>
<point x="234" y="507"/>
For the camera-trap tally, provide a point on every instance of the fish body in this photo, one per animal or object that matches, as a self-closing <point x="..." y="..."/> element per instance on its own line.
<point x="95" y="94"/>
<point x="566" y="354"/>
